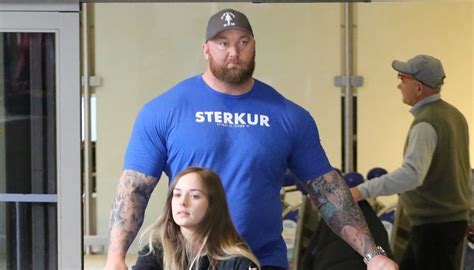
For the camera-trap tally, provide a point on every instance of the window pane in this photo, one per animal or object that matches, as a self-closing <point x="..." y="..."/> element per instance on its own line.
<point x="27" y="113"/>
<point x="28" y="236"/>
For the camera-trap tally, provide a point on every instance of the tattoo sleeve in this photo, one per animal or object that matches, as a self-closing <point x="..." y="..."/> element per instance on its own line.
<point x="128" y="209"/>
<point x="331" y="196"/>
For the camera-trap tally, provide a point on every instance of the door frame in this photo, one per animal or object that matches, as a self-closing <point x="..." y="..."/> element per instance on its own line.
<point x="62" y="19"/>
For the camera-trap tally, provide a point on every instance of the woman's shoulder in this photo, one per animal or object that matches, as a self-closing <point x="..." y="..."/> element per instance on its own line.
<point x="236" y="263"/>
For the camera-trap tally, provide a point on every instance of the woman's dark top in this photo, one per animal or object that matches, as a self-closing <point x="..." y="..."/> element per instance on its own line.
<point x="154" y="261"/>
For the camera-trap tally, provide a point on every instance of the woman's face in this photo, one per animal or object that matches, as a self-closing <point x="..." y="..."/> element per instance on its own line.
<point x="189" y="203"/>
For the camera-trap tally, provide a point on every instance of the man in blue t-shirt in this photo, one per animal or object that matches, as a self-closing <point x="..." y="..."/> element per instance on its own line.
<point x="250" y="134"/>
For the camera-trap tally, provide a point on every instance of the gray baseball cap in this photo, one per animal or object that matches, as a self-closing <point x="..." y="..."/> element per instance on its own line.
<point x="227" y="19"/>
<point x="424" y="68"/>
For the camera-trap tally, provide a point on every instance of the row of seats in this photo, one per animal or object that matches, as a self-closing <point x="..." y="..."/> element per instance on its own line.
<point x="354" y="178"/>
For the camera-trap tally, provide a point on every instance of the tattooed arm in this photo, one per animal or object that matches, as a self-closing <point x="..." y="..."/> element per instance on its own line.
<point x="332" y="197"/>
<point x="128" y="210"/>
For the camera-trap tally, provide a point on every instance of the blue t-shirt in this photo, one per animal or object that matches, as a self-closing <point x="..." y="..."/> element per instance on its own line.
<point x="249" y="140"/>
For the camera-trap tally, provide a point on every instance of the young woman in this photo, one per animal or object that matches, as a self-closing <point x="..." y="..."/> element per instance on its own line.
<point x="195" y="230"/>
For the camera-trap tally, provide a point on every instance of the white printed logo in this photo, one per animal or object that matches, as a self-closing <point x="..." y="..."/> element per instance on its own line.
<point x="228" y="17"/>
<point x="239" y="120"/>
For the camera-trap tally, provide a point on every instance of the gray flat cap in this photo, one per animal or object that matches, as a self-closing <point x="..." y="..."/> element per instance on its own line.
<point x="424" y="68"/>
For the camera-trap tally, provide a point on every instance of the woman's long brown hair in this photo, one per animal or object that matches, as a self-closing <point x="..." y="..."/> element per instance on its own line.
<point x="216" y="234"/>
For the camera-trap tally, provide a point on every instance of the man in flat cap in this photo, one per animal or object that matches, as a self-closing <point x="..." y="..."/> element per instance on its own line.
<point x="250" y="134"/>
<point x="433" y="181"/>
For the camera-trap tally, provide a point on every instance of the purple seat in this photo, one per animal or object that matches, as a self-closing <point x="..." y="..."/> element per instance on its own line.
<point x="376" y="172"/>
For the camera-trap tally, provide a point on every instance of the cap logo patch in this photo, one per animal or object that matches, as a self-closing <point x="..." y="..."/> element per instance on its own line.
<point x="228" y="17"/>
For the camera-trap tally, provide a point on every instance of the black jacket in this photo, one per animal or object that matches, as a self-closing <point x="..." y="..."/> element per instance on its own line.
<point x="154" y="261"/>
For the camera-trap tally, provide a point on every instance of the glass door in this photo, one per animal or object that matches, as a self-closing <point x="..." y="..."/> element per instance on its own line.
<point x="40" y="185"/>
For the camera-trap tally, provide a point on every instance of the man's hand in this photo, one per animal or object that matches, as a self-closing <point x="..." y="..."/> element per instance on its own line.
<point x="381" y="262"/>
<point x="356" y="194"/>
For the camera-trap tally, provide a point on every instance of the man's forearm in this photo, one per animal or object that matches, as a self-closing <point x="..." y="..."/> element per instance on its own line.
<point x="128" y="210"/>
<point x="333" y="199"/>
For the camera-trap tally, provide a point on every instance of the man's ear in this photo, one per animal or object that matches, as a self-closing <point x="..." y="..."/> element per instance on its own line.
<point x="205" y="50"/>
<point x="419" y="88"/>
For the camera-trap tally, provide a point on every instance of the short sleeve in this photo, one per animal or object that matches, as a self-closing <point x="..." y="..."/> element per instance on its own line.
<point x="308" y="159"/>
<point x="146" y="150"/>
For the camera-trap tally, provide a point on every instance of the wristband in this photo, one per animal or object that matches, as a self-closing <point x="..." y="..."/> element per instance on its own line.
<point x="378" y="251"/>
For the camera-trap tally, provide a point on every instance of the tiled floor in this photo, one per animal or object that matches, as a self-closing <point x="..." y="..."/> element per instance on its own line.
<point x="97" y="262"/>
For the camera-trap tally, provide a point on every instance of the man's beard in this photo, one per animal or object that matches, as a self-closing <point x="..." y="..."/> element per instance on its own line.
<point x="235" y="76"/>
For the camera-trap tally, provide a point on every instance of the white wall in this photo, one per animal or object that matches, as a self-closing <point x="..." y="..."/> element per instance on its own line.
<point x="388" y="31"/>
<point x="143" y="49"/>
